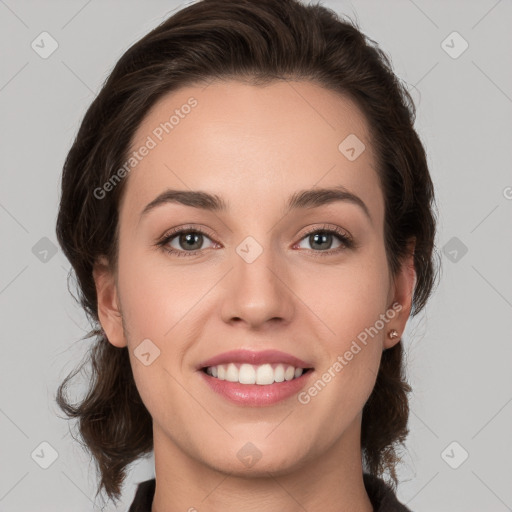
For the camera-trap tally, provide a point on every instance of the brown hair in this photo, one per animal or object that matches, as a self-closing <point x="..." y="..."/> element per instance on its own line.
<point x="256" y="41"/>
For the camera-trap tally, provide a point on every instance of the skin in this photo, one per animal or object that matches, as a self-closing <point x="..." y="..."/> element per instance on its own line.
<point x="254" y="146"/>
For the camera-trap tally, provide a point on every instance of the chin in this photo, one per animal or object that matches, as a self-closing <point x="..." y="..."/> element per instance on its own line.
<point x="251" y="460"/>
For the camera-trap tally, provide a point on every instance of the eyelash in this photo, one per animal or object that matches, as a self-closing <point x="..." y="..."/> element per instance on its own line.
<point x="346" y="240"/>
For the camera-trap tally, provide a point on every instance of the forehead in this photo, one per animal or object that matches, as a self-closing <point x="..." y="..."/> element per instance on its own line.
<point x="245" y="141"/>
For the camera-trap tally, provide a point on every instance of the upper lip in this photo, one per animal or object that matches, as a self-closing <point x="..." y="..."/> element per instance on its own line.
<point x="256" y="358"/>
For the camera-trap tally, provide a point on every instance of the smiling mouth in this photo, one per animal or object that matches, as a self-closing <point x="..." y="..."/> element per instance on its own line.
<point x="263" y="374"/>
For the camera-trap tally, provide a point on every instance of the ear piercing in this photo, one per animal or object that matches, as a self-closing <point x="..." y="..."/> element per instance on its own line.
<point x="393" y="334"/>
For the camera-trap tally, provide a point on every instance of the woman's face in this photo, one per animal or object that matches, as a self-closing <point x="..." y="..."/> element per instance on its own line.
<point x="264" y="275"/>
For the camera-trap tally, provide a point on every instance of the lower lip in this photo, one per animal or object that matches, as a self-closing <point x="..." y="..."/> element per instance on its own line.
<point x="256" y="395"/>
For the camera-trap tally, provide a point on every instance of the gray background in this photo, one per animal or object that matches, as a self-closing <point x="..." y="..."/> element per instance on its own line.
<point x="459" y="350"/>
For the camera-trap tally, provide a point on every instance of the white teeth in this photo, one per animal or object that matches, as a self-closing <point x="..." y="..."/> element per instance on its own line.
<point x="279" y="373"/>
<point x="289" y="373"/>
<point x="247" y="374"/>
<point x="264" y="374"/>
<point x="232" y="373"/>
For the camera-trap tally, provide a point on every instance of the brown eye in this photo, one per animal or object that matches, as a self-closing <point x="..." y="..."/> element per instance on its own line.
<point x="185" y="242"/>
<point x="191" y="240"/>
<point x="321" y="241"/>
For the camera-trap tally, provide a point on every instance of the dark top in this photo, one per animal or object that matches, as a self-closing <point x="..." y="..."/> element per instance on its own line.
<point x="381" y="495"/>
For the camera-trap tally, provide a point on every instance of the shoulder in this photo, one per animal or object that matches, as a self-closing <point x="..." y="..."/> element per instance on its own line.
<point x="143" y="497"/>
<point x="382" y="495"/>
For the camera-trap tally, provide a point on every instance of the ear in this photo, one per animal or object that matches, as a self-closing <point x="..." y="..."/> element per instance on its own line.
<point x="402" y="292"/>
<point x="109" y="312"/>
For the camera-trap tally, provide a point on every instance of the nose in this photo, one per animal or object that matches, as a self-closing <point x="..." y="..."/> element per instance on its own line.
<point x="257" y="292"/>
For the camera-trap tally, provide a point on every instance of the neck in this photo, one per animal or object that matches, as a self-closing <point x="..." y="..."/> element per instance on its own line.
<point x="330" y="482"/>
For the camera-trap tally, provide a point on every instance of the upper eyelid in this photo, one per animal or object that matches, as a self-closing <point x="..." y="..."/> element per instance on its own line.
<point x="330" y="228"/>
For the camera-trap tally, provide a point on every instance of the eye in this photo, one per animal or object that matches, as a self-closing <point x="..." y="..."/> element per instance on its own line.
<point x="321" y="240"/>
<point x="189" y="241"/>
<point x="184" y="241"/>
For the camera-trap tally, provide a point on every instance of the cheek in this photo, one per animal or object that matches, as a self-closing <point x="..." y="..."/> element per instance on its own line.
<point x="349" y="303"/>
<point x="346" y="299"/>
<point x="156" y="298"/>
<point x="161" y="303"/>
<point x="157" y="305"/>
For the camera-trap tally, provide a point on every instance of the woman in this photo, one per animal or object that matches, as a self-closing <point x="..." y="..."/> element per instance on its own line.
<point x="249" y="214"/>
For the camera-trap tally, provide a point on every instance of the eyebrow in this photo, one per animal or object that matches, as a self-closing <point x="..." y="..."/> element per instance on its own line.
<point x="302" y="199"/>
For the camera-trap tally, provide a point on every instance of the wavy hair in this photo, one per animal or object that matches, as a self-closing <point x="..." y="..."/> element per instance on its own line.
<point x="255" y="41"/>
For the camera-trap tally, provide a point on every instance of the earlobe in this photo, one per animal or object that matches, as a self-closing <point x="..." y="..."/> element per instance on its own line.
<point x="109" y="312"/>
<point x="404" y="285"/>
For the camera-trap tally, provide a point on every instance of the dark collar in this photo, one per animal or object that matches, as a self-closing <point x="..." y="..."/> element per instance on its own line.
<point x="381" y="495"/>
